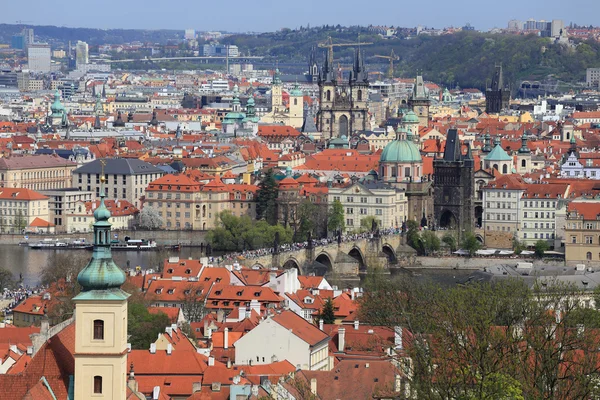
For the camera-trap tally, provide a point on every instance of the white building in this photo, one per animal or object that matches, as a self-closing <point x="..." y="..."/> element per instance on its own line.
<point x="39" y="57"/>
<point x="81" y="53"/>
<point x="285" y="336"/>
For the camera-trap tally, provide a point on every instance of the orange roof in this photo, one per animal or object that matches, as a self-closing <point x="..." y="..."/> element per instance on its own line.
<point x="589" y="210"/>
<point x="176" y="183"/>
<point x="218" y="338"/>
<point x="20" y="194"/>
<point x="40" y="223"/>
<point x="300" y="327"/>
<point x="182" y="268"/>
<point x="171" y="312"/>
<point x="183" y="362"/>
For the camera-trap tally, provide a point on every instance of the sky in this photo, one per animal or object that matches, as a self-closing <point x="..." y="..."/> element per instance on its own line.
<point x="268" y="15"/>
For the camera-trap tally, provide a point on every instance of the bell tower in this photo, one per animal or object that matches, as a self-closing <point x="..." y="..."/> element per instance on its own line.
<point x="101" y="319"/>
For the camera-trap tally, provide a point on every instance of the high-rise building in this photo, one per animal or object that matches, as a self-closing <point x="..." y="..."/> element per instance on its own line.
<point x="190" y="34"/>
<point x="81" y="53"/>
<point x="28" y="36"/>
<point x="38" y="55"/>
<point x="558" y="27"/>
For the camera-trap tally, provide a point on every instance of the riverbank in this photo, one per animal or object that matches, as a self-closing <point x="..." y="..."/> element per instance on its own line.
<point x="475" y="263"/>
<point x="162" y="237"/>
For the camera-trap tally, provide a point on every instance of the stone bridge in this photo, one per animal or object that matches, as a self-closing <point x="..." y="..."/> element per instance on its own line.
<point x="346" y="258"/>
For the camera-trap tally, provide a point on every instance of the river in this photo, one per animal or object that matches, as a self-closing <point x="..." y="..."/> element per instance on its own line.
<point x="21" y="260"/>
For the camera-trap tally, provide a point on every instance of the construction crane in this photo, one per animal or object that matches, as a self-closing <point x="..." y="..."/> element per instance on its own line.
<point x="392" y="57"/>
<point x="329" y="45"/>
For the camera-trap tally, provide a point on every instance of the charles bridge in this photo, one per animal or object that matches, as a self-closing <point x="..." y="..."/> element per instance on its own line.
<point x="343" y="258"/>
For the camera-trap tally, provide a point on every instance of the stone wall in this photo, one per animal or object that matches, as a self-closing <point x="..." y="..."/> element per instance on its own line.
<point x="499" y="240"/>
<point x="478" y="262"/>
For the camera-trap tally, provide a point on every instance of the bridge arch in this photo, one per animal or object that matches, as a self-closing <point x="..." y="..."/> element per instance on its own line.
<point x="390" y="253"/>
<point x="324" y="259"/>
<point x="357" y="254"/>
<point x="479" y="237"/>
<point x="291" y="263"/>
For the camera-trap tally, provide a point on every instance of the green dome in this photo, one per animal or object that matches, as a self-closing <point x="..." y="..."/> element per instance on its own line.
<point x="296" y="92"/>
<point x="410" y="118"/>
<point x="101" y="278"/>
<point x="250" y="101"/>
<point x="401" y="151"/>
<point x="57" y="107"/>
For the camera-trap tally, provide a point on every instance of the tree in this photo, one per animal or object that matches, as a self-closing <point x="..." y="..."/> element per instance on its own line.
<point x="150" y="219"/>
<point x="541" y="247"/>
<point x="307" y="214"/>
<point x="192" y="303"/>
<point x="143" y="327"/>
<point x="266" y="198"/>
<point x="470" y="243"/>
<point x="413" y="238"/>
<point x="20" y="222"/>
<point x="366" y="224"/>
<point x="430" y="242"/>
<point x="450" y="241"/>
<point x="517" y="246"/>
<point x="327" y="314"/>
<point x="335" y="217"/>
<point x="7" y="281"/>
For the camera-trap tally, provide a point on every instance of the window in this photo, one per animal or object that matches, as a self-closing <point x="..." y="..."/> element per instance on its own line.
<point x="98" y="329"/>
<point x="98" y="384"/>
<point x="588" y="255"/>
<point x="573" y="239"/>
<point x="588" y="240"/>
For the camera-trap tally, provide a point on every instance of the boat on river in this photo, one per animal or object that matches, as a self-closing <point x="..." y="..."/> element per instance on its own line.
<point x="135" y="245"/>
<point x="58" y="244"/>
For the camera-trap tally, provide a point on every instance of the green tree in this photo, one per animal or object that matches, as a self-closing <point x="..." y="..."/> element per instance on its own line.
<point x="266" y="198"/>
<point x="143" y="327"/>
<point x="541" y="247"/>
<point x="328" y="312"/>
<point x="517" y="246"/>
<point x="335" y="217"/>
<point x="366" y="224"/>
<point x="413" y="237"/>
<point x="450" y="241"/>
<point x="20" y="222"/>
<point x="430" y="242"/>
<point x="307" y="212"/>
<point x="7" y="280"/>
<point x="470" y="243"/>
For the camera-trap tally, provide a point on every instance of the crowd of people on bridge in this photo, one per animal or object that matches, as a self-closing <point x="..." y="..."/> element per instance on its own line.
<point x="284" y="248"/>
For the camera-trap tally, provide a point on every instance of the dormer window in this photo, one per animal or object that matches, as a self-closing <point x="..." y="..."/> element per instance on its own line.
<point x="218" y="292"/>
<point x="188" y="271"/>
<point x="240" y="293"/>
<point x="257" y="294"/>
<point x="218" y="280"/>
<point x="198" y="292"/>
<point x="170" y="271"/>
<point x="187" y="291"/>
<point x="308" y="300"/>
<point x="158" y="291"/>
<point x="171" y="291"/>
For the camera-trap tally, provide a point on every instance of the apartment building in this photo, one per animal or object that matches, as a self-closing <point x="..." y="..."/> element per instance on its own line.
<point x="81" y="217"/>
<point x="126" y="178"/>
<point x="360" y="200"/>
<point x="539" y="204"/>
<point x="61" y="202"/>
<point x="582" y="233"/>
<point x="23" y="209"/>
<point x="501" y="202"/>
<point x="36" y="172"/>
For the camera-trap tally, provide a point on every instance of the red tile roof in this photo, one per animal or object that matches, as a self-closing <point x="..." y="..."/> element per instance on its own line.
<point x="300" y="327"/>
<point x="20" y="194"/>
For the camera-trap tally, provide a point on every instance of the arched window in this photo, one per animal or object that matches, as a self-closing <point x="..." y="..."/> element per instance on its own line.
<point x="98" y="384"/>
<point x="504" y="169"/>
<point x="329" y="95"/>
<point x="295" y="102"/>
<point x="359" y="95"/>
<point x="495" y="167"/>
<point x="588" y="255"/>
<point x="98" y="329"/>
<point x="523" y="163"/>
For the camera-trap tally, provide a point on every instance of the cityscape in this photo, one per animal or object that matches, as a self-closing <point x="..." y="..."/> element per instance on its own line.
<point x="324" y="212"/>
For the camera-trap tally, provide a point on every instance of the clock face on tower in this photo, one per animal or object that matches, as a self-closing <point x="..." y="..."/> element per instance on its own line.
<point x="421" y="110"/>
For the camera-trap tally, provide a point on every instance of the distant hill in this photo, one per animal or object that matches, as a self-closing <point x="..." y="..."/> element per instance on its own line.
<point x="91" y="36"/>
<point x="465" y="58"/>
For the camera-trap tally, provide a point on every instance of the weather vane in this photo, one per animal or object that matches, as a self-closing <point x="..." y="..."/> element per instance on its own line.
<point x="102" y="178"/>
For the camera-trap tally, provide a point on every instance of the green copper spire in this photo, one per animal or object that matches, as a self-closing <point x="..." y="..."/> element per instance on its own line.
<point x="101" y="279"/>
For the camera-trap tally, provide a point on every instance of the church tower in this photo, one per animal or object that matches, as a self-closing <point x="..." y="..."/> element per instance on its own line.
<point x="101" y="320"/>
<point x="277" y="94"/>
<point x="313" y="67"/>
<point x="419" y="101"/>
<point x="296" y="107"/>
<point x="497" y="97"/>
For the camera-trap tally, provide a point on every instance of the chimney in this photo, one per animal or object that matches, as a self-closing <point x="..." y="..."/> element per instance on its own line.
<point x="254" y="390"/>
<point x="196" y="387"/>
<point x="129" y="347"/>
<point x="169" y="331"/>
<point x="356" y="325"/>
<point x="208" y="333"/>
<point x="45" y="325"/>
<point x="321" y="324"/>
<point x="313" y="386"/>
<point x="398" y="337"/>
<point x="341" y="339"/>
<point x="156" y="393"/>
<point x="169" y="349"/>
<point x="242" y="313"/>
<point x="211" y="361"/>
<point x="228" y="364"/>
<point x="152" y="348"/>
<point x="131" y="382"/>
<point x="226" y="338"/>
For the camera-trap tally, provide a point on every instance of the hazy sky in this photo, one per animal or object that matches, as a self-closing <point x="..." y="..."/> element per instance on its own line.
<point x="267" y="15"/>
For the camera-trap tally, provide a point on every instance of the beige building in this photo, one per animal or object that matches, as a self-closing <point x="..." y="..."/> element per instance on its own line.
<point x="21" y="208"/>
<point x="80" y="217"/>
<point x="126" y="178"/>
<point x="62" y="202"/>
<point x="582" y="233"/>
<point x="360" y="200"/>
<point x="36" y="172"/>
<point x="539" y="204"/>
<point x="501" y="204"/>
<point x="184" y="203"/>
